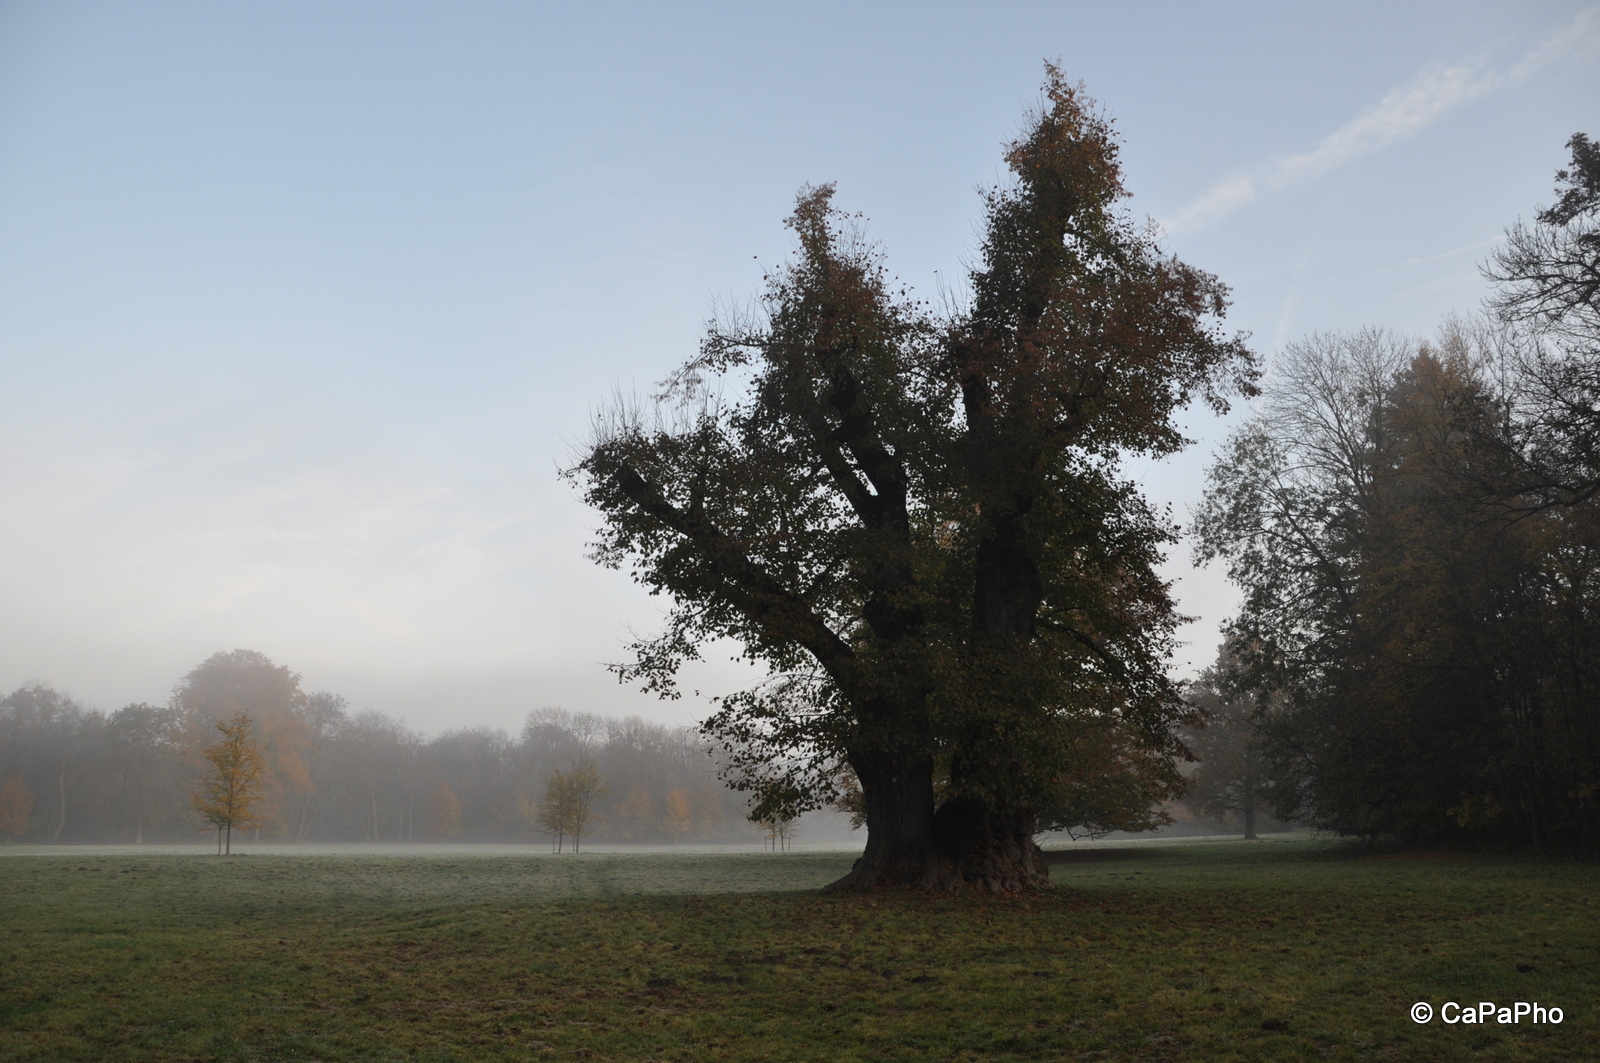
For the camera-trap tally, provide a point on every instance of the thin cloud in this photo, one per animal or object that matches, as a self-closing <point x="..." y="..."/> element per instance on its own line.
<point x="1440" y="257"/>
<point x="1401" y="114"/>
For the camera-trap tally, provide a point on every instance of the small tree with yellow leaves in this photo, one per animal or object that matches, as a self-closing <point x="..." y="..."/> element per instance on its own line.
<point x="568" y="805"/>
<point x="16" y="802"/>
<point x="231" y="786"/>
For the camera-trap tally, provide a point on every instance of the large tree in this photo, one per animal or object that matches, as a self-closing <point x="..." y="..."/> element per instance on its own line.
<point x="917" y="522"/>
<point x="227" y="684"/>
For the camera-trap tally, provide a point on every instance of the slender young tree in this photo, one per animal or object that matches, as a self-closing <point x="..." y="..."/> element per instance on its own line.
<point x="777" y="832"/>
<point x="230" y="787"/>
<point x="553" y="814"/>
<point x="585" y="785"/>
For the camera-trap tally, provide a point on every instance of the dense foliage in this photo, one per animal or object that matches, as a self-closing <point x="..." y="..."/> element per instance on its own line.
<point x="1416" y="531"/>
<point x="918" y="524"/>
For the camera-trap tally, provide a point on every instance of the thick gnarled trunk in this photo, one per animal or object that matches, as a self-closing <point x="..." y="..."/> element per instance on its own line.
<point x="965" y="843"/>
<point x="898" y="791"/>
<point x="989" y="849"/>
<point x="961" y="845"/>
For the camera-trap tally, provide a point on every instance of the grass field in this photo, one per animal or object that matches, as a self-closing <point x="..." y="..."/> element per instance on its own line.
<point x="1273" y="950"/>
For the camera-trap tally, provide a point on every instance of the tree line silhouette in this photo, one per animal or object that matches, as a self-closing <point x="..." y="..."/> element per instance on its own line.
<point x="1415" y="528"/>
<point x="70" y="773"/>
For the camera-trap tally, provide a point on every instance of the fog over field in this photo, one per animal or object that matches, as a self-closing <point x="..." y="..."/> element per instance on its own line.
<point x="302" y="307"/>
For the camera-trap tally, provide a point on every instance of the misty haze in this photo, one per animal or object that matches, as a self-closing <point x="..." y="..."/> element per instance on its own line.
<point x="828" y="533"/>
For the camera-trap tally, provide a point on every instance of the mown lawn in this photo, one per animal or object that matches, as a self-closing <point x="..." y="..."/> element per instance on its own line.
<point x="1275" y="950"/>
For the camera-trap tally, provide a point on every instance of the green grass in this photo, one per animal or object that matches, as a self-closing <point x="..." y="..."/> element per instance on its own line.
<point x="1275" y="950"/>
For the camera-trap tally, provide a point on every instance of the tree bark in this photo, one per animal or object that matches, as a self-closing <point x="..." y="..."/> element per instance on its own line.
<point x="61" y="792"/>
<point x="1249" y="797"/>
<point x="898" y="790"/>
<point x="910" y="845"/>
<point x="1249" y="808"/>
<point x="991" y="849"/>
<point x="305" y="809"/>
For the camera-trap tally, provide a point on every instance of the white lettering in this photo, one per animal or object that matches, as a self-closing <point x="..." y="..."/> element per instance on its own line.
<point x="1451" y="1012"/>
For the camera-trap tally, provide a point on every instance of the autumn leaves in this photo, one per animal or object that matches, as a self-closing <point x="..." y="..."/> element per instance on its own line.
<point x="230" y="788"/>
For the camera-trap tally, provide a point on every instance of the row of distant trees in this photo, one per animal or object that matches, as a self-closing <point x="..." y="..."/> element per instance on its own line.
<point x="69" y="773"/>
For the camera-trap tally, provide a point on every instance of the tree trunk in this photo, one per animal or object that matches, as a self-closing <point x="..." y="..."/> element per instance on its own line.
<point x="965" y="843"/>
<point x="910" y="845"/>
<point x="1249" y="808"/>
<point x="1249" y="799"/>
<point x="305" y="810"/>
<point x="61" y="791"/>
<point x="994" y="850"/>
<point x="898" y="791"/>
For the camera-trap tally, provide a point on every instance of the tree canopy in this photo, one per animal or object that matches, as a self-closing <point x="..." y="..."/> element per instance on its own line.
<point x="917" y="523"/>
<point x="1547" y="295"/>
<point x="1414" y="525"/>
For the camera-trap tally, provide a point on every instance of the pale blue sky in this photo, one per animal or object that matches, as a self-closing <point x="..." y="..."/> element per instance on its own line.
<point x="301" y="305"/>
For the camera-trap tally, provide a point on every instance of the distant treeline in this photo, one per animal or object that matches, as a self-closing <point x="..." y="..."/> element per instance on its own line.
<point x="74" y="774"/>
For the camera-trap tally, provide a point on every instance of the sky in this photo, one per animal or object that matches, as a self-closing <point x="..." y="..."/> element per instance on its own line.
<point x="304" y="305"/>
